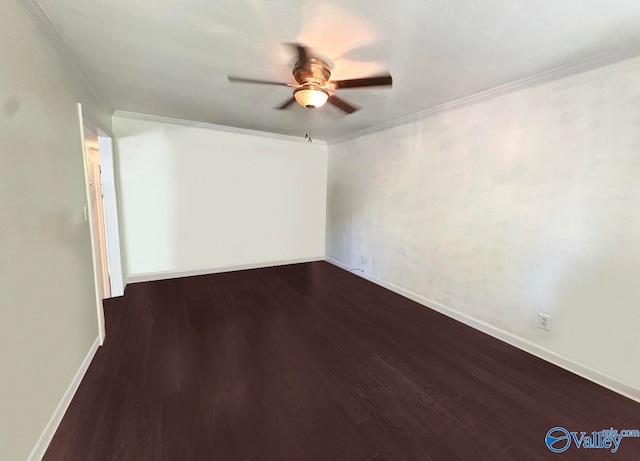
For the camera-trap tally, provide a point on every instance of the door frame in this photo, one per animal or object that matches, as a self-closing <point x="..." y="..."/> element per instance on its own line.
<point x="101" y="262"/>
<point x="96" y="205"/>
<point x="110" y="205"/>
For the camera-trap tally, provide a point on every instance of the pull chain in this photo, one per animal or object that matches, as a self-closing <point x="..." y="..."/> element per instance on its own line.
<point x="307" y="135"/>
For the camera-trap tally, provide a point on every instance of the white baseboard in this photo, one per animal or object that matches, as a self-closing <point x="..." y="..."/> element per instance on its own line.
<point x="163" y="275"/>
<point x="579" y="369"/>
<point x="50" y="429"/>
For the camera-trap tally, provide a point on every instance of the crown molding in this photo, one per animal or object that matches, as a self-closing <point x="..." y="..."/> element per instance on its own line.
<point x="43" y="22"/>
<point x="53" y="35"/>
<point x="556" y="73"/>
<point x="212" y="126"/>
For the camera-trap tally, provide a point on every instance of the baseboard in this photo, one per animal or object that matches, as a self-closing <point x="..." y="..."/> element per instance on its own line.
<point x="50" y="429"/>
<point x="571" y="365"/>
<point x="163" y="275"/>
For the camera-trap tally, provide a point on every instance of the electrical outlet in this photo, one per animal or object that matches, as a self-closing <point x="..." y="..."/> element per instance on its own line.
<point x="363" y="259"/>
<point x="544" y="321"/>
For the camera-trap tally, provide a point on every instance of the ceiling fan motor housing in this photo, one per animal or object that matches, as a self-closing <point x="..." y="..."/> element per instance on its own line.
<point x="312" y="76"/>
<point x="314" y="71"/>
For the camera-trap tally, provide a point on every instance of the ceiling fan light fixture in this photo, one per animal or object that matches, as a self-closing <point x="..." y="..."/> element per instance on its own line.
<point x="314" y="87"/>
<point x="311" y="97"/>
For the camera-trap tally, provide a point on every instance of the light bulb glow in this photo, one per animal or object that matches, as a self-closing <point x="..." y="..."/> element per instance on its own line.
<point x="311" y="97"/>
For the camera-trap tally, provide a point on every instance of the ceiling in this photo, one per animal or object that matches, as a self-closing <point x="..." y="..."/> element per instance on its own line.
<point x="172" y="57"/>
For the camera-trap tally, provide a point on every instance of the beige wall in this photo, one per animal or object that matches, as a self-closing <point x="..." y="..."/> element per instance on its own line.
<point x="198" y="198"/>
<point x="47" y="299"/>
<point x="525" y="203"/>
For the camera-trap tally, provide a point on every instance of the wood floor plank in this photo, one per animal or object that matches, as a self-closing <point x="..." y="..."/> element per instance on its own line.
<point x="376" y="436"/>
<point x="389" y="410"/>
<point x="128" y="430"/>
<point x="290" y="444"/>
<point x="303" y="427"/>
<point x="81" y="443"/>
<point x="349" y="431"/>
<point x="308" y="362"/>
<point x="313" y="398"/>
<point x="173" y="450"/>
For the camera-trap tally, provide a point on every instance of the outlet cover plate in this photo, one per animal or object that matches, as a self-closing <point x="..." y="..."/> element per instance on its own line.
<point x="544" y="322"/>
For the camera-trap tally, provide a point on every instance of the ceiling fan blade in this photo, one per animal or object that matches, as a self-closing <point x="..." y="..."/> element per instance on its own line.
<point x="303" y="53"/>
<point x="251" y="80"/>
<point x="380" y="80"/>
<point x="286" y="104"/>
<point x="341" y="104"/>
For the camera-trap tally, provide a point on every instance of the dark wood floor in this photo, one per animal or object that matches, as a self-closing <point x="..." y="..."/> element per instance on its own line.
<point x="309" y="362"/>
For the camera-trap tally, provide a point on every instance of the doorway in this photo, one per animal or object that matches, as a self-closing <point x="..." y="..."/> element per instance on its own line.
<point x="101" y="213"/>
<point x="96" y="205"/>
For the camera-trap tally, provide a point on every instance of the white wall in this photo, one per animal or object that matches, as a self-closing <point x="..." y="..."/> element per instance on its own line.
<point x="525" y="203"/>
<point x="47" y="298"/>
<point x="197" y="198"/>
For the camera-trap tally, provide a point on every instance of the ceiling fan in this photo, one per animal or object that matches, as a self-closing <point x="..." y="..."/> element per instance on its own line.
<point x="314" y="87"/>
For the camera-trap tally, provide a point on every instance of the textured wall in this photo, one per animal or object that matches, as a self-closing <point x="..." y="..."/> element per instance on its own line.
<point x="525" y="203"/>
<point x="47" y="298"/>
